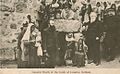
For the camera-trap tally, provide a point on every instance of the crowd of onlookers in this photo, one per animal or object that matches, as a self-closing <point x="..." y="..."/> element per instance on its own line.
<point x="42" y="46"/>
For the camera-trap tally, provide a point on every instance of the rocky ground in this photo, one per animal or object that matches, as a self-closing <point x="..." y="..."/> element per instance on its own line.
<point x="11" y="64"/>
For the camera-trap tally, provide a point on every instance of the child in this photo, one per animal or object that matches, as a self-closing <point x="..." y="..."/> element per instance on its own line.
<point x="80" y="53"/>
<point x="70" y="48"/>
<point x="39" y="48"/>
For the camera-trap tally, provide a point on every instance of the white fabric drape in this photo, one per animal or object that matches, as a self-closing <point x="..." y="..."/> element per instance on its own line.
<point x="26" y="37"/>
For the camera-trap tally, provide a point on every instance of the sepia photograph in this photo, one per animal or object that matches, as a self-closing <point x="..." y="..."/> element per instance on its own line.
<point x="59" y="34"/>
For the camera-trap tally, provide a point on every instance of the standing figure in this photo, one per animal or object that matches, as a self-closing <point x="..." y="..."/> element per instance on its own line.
<point x="51" y="45"/>
<point x="67" y="13"/>
<point x="110" y="23"/>
<point x="104" y="10"/>
<point x="118" y="29"/>
<point x="83" y="11"/>
<point x="62" y="44"/>
<point x="99" y="11"/>
<point x="23" y="30"/>
<point x="80" y="56"/>
<point x="93" y="39"/>
<point x="41" y="15"/>
<point x="105" y="5"/>
<point x="118" y="38"/>
<point x="29" y="51"/>
<point x="89" y="10"/>
<point x="74" y="5"/>
<point x="43" y="20"/>
<point x="61" y="4"/>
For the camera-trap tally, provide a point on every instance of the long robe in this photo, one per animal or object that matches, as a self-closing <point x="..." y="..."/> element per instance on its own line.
<point x="94" y="31"/>
<point x="29" y="51"/>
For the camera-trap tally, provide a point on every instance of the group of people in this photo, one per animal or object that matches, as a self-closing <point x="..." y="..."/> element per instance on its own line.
<point x="42" y="46"/>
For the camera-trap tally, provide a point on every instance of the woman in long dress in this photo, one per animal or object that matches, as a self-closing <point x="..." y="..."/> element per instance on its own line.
<point x="29" y="51"/>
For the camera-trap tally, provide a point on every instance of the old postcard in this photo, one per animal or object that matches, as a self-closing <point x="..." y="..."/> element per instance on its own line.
<point x="60" y="36"/>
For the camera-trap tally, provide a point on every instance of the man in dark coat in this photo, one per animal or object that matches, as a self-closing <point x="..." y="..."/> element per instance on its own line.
<point x="93" y="35"/>
<point x="43" y="21"/>
<point x="111" y="28"/>
<point x="62" y="44"/>
<point x="118" y="28"/>
<point x="41" y="14"/>
<point x="51" y="45"/>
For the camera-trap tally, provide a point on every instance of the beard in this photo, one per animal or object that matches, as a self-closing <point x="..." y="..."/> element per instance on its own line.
<point x="93" y="20"/>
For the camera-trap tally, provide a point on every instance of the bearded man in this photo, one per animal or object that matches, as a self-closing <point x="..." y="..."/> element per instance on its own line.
<point x="93" y="39"/>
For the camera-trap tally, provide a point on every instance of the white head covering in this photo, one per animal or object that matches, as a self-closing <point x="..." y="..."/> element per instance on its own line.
<point x="27" y="33"/>
<point x="25" y="37"/>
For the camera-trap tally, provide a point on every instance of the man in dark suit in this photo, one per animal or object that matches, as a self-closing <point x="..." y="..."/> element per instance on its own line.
<point x="111" y="28"/>
<point x="93" y="35"/>
<point x="51" y="45"/>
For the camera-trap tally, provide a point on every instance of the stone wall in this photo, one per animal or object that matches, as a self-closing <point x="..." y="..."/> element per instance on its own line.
<point x="11" y="20"/>
<point x="12" y="14"/>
